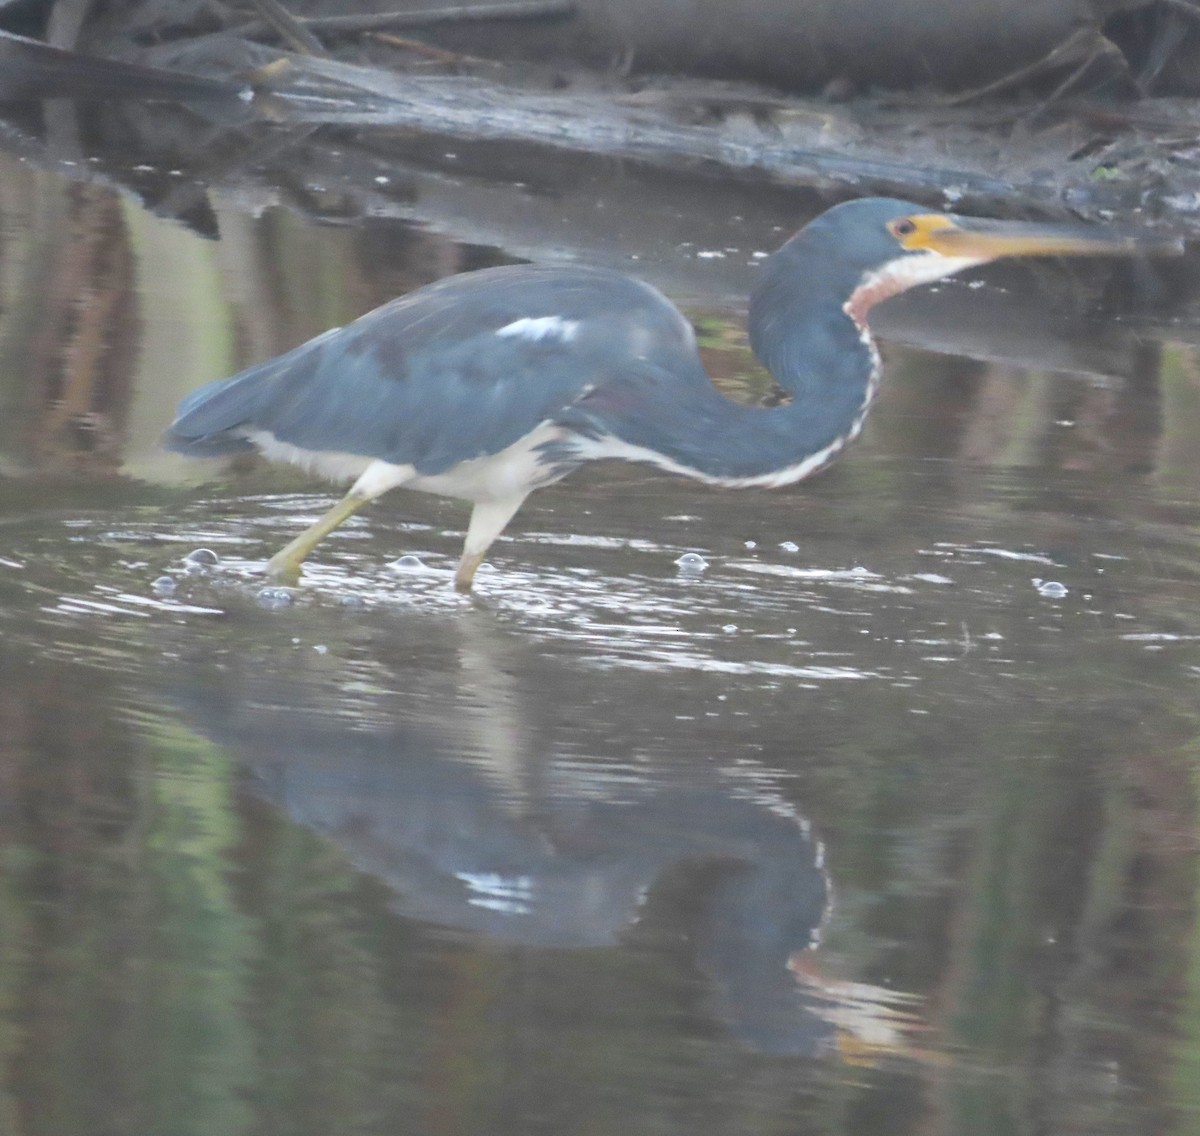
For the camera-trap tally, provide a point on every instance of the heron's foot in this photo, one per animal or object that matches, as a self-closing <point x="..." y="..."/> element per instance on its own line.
<point x="488" y="519"/>
<point x="464" y="576"/>
<point x="284" y="566"/>
<point x="283" y="569"/>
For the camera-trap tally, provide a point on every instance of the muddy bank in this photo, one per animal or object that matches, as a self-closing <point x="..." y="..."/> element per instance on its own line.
<point x="1136" y="163"/>
<point x="1021" y="143"/>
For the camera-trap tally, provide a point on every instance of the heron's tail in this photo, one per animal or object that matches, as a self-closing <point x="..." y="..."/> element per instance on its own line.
<point x="214" y="419"/>
<point x="208" y="419"/>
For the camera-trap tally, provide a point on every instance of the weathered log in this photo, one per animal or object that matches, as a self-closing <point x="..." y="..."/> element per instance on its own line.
<point x="803" y="44"/>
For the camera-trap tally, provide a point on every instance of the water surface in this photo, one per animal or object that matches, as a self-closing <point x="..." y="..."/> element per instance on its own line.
<point x="883" y="822"/>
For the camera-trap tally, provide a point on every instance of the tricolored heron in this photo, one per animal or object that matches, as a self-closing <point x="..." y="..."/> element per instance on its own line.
<point x="491" y="384"/>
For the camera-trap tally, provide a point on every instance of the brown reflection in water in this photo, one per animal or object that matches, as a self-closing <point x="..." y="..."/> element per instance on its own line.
<point x="71" y="863"/>
<point x="81" y="338"/>
<point x="1136" y="423"/>
<point x="995" y="415"/>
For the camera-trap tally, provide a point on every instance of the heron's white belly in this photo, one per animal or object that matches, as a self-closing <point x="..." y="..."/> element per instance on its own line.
<point x="513" y="472"/>
<point x="332" y="464"/>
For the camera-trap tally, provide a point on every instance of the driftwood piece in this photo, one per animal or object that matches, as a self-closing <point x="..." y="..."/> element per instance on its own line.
<point x="468" y="107"/>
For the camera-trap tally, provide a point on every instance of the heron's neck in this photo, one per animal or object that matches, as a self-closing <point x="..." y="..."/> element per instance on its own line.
<point x="821" y="356"/>
<point x="815" y="344"/>
<point x="818" y="348"/>
<point x="828" y="369"/>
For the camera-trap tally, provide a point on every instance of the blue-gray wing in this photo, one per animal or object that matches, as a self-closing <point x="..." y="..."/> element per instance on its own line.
<point x="457" y="370"/>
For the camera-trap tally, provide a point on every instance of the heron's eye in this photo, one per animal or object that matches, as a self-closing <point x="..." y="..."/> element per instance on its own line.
<point x="905" y="227"/>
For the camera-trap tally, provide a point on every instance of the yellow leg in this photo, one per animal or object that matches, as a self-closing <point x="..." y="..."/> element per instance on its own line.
<point x="487" y="522"/>
<point x="284" y="566"/>
<point x="464" y="575"/>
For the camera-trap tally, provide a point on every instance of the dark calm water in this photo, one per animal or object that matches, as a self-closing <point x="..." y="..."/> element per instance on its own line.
<point x="884" y="823"/>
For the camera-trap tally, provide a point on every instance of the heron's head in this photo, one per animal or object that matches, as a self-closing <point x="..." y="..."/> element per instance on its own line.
<point x="873" y="248"/>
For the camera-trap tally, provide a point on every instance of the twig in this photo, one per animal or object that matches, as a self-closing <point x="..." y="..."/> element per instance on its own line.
<point x="437" y="54"/>
<point x="293" y="31"/>
<point x="466" y="13"/>
<point x="1104" y="48"/>
<point x="424" y="17"/>
<point x="1081" y="44"/>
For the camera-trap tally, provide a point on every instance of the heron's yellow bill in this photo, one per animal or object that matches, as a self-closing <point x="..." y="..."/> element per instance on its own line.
<point x="980" y="239"/>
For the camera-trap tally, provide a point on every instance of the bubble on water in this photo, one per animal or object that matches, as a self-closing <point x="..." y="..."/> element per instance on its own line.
<point x="485" y="567"/>
<point x="351" y="600"/>
<point x="164" y="586"/>
<point x="750" y="544"/>
<point x="789" y="546"/>
<point x="730" y="628"/>
<point x="691" y="564"/>
<point x="275" y="598"/>
<point x="202" y="556"/>
<point x="1051" y="589"/>
<point x="408" y="563"/>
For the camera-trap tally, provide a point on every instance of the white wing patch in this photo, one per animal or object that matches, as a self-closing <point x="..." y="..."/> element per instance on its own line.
<point x="540" y="327"/>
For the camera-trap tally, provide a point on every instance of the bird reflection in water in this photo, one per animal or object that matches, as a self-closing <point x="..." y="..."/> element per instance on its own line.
<point x="434" y="769"/>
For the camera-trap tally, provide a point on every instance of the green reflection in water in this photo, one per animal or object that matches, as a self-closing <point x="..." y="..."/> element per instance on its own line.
<point x="335" y="1053"/>
<point x="196" y="964"/>
<point x="15" y="942"/>
<point x="124" y="962"/>
<point x="1185" y="1074"/>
